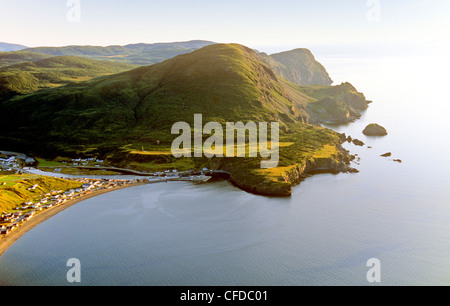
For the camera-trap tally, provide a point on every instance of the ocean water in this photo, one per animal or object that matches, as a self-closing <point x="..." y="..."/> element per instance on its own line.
<point x="215" y="234"/>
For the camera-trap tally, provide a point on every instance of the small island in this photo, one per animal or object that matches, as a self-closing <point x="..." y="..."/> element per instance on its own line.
<point x="375" y="130"/>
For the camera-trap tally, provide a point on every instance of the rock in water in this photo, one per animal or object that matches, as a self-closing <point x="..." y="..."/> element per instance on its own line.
<point x="389" y="154"/>
<point x="375" y="130"/>
<point x="358" y="142"/>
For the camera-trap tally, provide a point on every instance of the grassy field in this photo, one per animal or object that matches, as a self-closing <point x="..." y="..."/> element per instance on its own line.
<point x="49" y="163"/>
<point x="15" y="191"/>
<point x="11" y="180"/>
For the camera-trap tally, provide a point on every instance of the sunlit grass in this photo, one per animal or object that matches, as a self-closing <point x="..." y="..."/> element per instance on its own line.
<point x="16" y="190"/>
<point x="275" y="174"/>
<point x="328" y="151"/>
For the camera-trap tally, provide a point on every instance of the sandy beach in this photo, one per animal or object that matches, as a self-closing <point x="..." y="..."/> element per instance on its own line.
<point x="8" y="240"/>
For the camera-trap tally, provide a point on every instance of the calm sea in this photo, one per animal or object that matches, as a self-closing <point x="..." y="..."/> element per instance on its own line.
<point x="215" y="234"/>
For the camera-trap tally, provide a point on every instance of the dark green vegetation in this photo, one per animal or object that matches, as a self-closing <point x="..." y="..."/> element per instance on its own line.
<point x="113" y="117"/>
<point x="136" y="54"/>
<point x="31" y="76"/>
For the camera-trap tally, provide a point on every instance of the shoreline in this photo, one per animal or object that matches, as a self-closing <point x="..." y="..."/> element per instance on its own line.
<point x="11" y="238"/>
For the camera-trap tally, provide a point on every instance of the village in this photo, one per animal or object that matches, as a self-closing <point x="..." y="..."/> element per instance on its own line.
<point x="11" y="162"/>
<point x="9" y="221"/>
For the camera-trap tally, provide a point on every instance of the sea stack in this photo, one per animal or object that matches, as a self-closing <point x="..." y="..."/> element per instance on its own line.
<point x="375" y="130"/>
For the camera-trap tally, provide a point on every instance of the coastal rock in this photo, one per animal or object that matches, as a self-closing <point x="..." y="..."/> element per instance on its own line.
<point x="375" y="130"/>
<point x="389" y="154"/>
<point x="398" y="161"/>
<point x="358" y="142"/>
<point x="282" y="187"/>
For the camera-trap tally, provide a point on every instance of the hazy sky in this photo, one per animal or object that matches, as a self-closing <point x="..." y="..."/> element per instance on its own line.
<point x="259" y="24"/>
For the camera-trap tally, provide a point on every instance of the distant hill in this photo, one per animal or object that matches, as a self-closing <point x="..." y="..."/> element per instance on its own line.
<point x="17" y="57"/>
<point x="137" y="54"/>
<point x="299" y="67"/>
<point x="28" y="77"/>
<point x="5" y="47"/>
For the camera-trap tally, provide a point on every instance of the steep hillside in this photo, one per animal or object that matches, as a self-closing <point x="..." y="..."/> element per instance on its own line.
<point x="223" y="82"/>
<point x="299" y="67"/>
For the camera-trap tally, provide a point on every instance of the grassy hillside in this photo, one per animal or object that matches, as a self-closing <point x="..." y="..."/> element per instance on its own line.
<point x="223" y="82"/>
<point x="137" y="54"/>
<point x="28" y="77"/>
<point x="15" y="191"/>
<point x="115" y="116"/>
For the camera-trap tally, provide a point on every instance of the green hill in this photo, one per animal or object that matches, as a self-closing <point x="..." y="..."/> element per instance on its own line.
<point x="12" y="58"/>
<point x="299" y="67"/>
<point x="223" y="82"/>
<point x="136" y="54"/>
<point x="115" y="116"/>
<point x="28" y="77"/>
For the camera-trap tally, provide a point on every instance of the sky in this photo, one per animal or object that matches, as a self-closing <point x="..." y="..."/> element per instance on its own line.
<point x="261" y="24"/>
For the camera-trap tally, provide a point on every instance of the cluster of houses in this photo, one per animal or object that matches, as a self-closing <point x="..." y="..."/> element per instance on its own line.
<point x="24" y="212"/>
<point x="12" y="221"/>
<point x="9" y="162"/>
<point x="176" y="173"/>
<point x="85" y="161"/>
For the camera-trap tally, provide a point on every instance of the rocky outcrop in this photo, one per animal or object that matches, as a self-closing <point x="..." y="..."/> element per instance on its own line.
<point x="335" y="104"/>
<point x="358" y="142"/>
<point x="375" y="130"/>
<point x="389" y="154"/>
<point x="294" y="176"/>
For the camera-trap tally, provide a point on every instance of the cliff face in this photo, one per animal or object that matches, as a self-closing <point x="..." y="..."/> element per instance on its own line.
<point x="335" y="104"/>
<point x="299" y="67"/>
<point x="293" y="177"/>
<point x="279" y="182"/>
